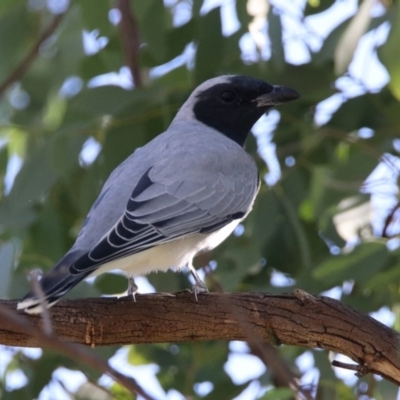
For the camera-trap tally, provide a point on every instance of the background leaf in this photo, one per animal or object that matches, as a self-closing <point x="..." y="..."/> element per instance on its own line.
<point x="329" y="165"/>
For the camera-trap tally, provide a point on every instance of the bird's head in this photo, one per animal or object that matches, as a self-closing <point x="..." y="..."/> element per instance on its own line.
<point x="232" y="104"/>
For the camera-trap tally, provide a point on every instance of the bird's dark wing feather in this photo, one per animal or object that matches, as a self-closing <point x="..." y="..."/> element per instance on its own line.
<point x="158" y="213"/>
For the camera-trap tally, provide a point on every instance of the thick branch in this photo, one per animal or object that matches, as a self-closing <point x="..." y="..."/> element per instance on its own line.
<point x="298" y="320"/>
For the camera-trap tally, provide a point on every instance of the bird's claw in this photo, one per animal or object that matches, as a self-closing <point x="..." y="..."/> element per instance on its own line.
<point x="198" y="288"/>
<point x="132" y="288"/>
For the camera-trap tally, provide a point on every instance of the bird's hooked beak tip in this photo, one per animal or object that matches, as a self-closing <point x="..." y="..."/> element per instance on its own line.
<point x="278" y="95"/>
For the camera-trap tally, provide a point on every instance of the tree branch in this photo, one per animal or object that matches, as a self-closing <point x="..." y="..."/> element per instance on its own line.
<point x="298" y="319"/>
<point x="26" y="62"/>
<point x="130" y="40"/>
<point x="22" y="325"/>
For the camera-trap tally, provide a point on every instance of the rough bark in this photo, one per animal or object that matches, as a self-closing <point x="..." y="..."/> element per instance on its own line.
<point x="297" y="319"/>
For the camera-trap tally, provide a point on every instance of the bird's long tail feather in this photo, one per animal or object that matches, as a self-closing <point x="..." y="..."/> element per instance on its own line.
<point x="54" y="285"/>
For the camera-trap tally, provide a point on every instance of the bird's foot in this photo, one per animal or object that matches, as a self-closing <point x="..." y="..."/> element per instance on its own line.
<point x="200" y="286"/>
<point x="132" y="288"/>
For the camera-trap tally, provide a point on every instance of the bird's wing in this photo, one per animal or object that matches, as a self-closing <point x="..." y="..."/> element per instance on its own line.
<point x="159" y="212"/>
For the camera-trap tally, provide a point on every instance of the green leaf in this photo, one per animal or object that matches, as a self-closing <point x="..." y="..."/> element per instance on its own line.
<point x="16" y="141"/>
<point x="48" y="235"/>
<point x="354" y="166"/>
<point x="66" y="62"/>
<point x="278" y="394"/>
<point x="359" y="112"/>
<point x="178" y="38"/>
<point x="210" y="44"/>
<point x="317" y="6"/>
<point x="31" y="185"/>
<point x="92" y="66"/>
<point x="236" y="258"/>
<point x="386" y="279"/>
<point x="359" y="265"/>
<point x="64" y="150"/>
<point x="170" y="281"/>
<point x="108" y="100"/>
<point x="111" y="283"/>
<point x="54" y="113"/>
<point x="135" y="357"/>
<point x="342" y="179"/>
<point x="152" y="30"/>
<point x="120" y="392"/>
<point x="225" y="389"/>
<point x="13" y="42"/>
<point x="5" y="5"/>
<point x="266" y="213"/>
<point x="95" y="15"/>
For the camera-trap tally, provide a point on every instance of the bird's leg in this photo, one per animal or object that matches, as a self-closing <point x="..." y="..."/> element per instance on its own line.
<point x="132" y="288"/>
<point x="200" y="286"/>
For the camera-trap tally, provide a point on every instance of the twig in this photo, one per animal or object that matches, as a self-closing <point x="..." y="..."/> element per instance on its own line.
<point x="78" y="352"/>
<point x="37" y="290"/>
<point x="389" y="219"/>
<point x="361" y="370"/>
<point x="26" y="62"/>
<point x="130" y="40"/>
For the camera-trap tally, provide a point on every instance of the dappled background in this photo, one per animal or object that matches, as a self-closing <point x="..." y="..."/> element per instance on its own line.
<point x="85" y="82"/>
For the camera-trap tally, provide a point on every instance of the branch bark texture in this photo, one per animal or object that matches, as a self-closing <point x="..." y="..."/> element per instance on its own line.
<point x="297" y="319"/>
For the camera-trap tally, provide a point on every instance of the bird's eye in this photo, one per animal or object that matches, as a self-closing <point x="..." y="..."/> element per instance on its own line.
<point x="228" y="96"/>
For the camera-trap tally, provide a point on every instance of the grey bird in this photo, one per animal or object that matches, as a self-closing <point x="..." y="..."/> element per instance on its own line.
<point x="182" y="193"/>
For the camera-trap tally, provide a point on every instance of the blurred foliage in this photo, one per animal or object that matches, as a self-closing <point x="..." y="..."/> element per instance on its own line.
<point x="306" y="229"/>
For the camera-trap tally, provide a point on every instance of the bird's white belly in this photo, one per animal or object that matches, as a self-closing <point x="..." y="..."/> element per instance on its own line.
<point x="175" y="254"/>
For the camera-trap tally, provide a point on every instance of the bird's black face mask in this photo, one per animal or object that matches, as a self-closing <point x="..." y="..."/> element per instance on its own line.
<point x="233" y="107"/>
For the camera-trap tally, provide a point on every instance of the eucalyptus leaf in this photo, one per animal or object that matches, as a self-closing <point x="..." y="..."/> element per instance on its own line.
<point x="359" y="265"/>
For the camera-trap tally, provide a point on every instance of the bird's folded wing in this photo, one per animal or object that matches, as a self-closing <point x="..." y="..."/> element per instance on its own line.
<point x="158" y="213"/>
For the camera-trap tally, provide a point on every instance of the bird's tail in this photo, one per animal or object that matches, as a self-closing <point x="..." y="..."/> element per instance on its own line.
<point x="54" y="285"/>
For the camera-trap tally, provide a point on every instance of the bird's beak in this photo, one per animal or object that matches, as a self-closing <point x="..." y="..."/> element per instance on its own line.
<point x="279" y="94"/>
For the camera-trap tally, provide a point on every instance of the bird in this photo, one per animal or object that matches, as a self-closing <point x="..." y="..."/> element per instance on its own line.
<point x="181" y="194"/>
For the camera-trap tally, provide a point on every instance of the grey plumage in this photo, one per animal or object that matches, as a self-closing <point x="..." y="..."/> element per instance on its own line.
<point x="182" y="193"/>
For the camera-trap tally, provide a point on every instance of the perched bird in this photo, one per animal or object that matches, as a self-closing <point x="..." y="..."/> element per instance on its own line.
<point x="182" y="193"/>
